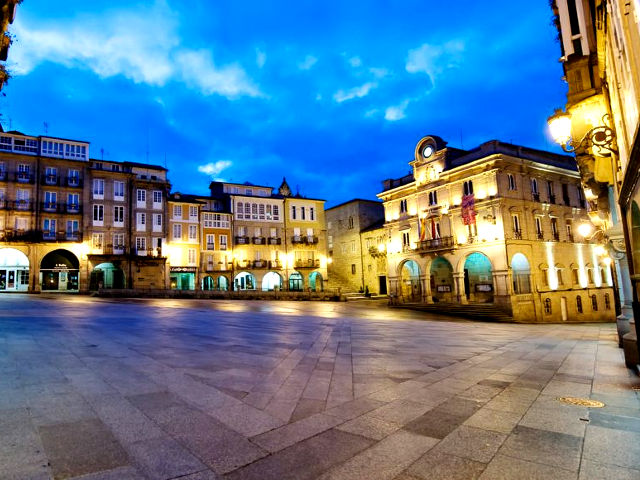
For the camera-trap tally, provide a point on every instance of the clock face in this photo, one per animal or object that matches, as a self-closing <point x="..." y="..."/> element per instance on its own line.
<point x="427" y="151"/>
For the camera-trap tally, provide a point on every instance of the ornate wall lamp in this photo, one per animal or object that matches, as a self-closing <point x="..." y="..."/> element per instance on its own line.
<point x="600" y="138"/>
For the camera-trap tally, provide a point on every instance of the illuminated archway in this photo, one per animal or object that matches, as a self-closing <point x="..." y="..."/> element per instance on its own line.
<point x="410" y="289"/>
<point x="59" y="272"/>
<point x="244" y="281"/>
<point x="14" y="270"/>
<point x="296" y="282"/>
<point x="521" y="274"/>
<point x="478" y="279"/>
<point x="441" y="278"/>
<point x="271" y="281"/>
<point x="207" y="283"/>
<point x="316" y="282"/>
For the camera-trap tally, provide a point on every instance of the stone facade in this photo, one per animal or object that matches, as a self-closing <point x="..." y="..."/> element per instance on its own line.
<point x="495" y="224"/>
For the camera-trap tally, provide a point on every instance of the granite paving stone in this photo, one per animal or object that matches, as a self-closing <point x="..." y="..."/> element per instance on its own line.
<point x="436" y="465"/>
<point x="163" y="458"/>
<point x="507" y="468"/>
<point x="472" y="443"/>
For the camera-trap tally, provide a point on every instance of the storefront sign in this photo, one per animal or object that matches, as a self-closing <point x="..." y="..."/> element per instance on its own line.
<point x="60" y="267"/>
<point x="183" y="269"/>
<point x="444" y="288"/>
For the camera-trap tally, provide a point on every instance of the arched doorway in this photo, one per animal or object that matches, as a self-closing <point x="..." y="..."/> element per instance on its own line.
<point x="441" y="280"/>
<point x="207" y="283"/>
<point x="478" y="280"/>
<point x="271" y="281"/>
<point x="245" y="281"/>
<point x="521" y="274"/>
<point x="106" y="275"/>
<point x="222" y="283"/>
<point x="14" y="270"/>
<point x="316" y="282"/>
<point x="410" y="288"/>
<point x="59" y="272"/>
<point x="296" y="282"/>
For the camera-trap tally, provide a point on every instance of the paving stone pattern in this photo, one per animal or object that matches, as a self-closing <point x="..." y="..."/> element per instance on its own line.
<point x="201" y="390"/>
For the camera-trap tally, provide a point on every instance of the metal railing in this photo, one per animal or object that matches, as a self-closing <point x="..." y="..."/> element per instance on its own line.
<point x="436" y="244"/>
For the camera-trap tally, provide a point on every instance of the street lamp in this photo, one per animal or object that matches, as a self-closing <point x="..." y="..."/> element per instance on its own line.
<point x="601" y="137"/>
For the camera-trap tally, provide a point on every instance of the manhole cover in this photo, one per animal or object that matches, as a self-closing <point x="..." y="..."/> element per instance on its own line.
<point x="581" y="402"/>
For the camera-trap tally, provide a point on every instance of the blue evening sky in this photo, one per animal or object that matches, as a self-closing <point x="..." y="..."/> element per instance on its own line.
<point x="332" y="95"/>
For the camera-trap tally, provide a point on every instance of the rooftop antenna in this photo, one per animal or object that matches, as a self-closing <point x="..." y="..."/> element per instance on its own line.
<point x="46" y="128"/>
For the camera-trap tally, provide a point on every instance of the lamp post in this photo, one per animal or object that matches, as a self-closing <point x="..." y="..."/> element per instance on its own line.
<point x="600" y="138"/>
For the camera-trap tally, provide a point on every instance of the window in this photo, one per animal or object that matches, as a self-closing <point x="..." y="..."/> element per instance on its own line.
<point x="248" y="191"/>
<point x="141" y="197"/>
<point x="539" y="227"/>
<point x="49" y="226"/>
<point x="594" y="303"/>
<point x="193" y="212"/>
<point x="157" y="197"/>
<point x="157" y="222"/>
<point x="353" y="246"/>
<point x="50" y="200"/>
<point x="98" y="215"/>
<point x="607" y="302"/>
<point x="516" y="226"/>
<point x="343" y="248"/>
<point x="547" y="306"/>
<point x="211" y="245"/>
<point x="552" y="197"/>
<point x="118" y="216"/>
<point x="223" y="242"/>
<point x="554" y="228"/>
<point x="141" y="244"/>
<point x="569" y="231"/>
<point x="576" y="277"/>
<point x="118" y="190"/>
<point x="239" y="210"/>
<point x="118" y="241"/>
<point x="72" y="227"/>
<point x="353" y="268"/>
<point x="247" y="211"/>
<point x="467" y="187"/>
<point x="534" y="186"/>
<point x="177" y="211"/>
<point x="312" y="213"/>
<point x="559" y="276"/>
<point x="405" y="239"/>
<point x="273" y="232"/>
<point x="512" y="181"/>
<point x="97" y="241"/>
<point x="433" y="198"/>
<point x="350" y="222"/>
<point x="192" y="256"/>
<point x="254" y="211"/>
<point x="141" y="221"/>
<point x="293" y="212"/>
<point x="193" y="232"/>
<point x="579" y="304"/>
<point x="177" y="231"/>
<point x="276" y="212"/>
<point x="261" y="211"/>
<point x="403" y="206"/>
<point x="303" y="213"/>
<point x="330" y="242"/>
<point x="98" y="188"/>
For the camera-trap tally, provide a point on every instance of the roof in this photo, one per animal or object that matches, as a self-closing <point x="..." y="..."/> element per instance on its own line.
<point x="185" y="198"/>
<point x="145" y="165"/>
<point x="353" y="201"/>
<point x="374" y="226"/>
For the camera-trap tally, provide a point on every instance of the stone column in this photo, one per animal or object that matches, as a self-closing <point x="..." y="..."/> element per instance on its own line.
<point x="501" y="290"/>
<point x="428" y="295"/>
<point x="458" y="280"/>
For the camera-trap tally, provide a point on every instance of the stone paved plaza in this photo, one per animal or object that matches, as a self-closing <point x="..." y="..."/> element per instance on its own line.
<point x="164" y="389"/>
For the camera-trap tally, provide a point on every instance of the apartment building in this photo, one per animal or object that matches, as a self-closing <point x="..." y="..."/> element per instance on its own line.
<point x="216" y="247"/>
<point x="184" y="244"/>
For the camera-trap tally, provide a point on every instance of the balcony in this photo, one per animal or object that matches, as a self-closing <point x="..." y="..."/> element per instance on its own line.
<point x="540" y="236"/>
<point x="517" y="234"/>
<point x="259" y="240"/>
<point x="223" y="246"/>
<point x="49" y="235"/>
<point x="50" y="207"/>
<point x="241" y="240"/>
<point x="309" y="263"/>
<point x="407" y="249"/>
<point x="73" y="208"/>
<point x="275" y="264"/>
<point x="274" y="241"/>
<point x="259" y="264"/>
<point x="556" y="237"/>
<point x="433" y="211"/>
<point x="435" y="244"/>
<point x="535" y="196"/>
<point x="312" y="239"/>
<point x="567" y="201"/>
<point x="552" y="199"/>
<point x="24" y="177"/>
<point x="25" y="205"/>
<point x="50" y="179"/>
<point x="75" y="182"/>
<point x="211" y="246"/>
<point x="297" y="239"/>
<point x="73" y="236"/>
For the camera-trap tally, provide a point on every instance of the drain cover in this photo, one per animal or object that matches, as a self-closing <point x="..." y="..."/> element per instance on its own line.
<point x="581" y="402"/>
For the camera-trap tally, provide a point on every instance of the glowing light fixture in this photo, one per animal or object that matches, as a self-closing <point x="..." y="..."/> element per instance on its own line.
<point x="585" y="229"/>
<point x="600" y="138"/>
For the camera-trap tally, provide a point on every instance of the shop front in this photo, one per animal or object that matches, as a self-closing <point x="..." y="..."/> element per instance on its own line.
<point x="59" y="272"/>
<point x="14" y="270"/>
<point x="182" y="278"/>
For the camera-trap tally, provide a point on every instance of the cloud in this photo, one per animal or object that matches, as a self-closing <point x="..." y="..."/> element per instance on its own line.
<point x="141" y="45"/>
<point x="379" y="72"/>
<point x="355" y="61"/>
<point x="308" y="62"/>
<point x="213" y="169"/>
<point x="434" y="59"/>
<point x="261" y="58"/>
<point x="396" y="112"/>
<point x="356" y="92"/>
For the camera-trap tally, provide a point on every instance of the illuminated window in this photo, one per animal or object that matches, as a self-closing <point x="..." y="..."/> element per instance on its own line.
<point x="512" y="181"/>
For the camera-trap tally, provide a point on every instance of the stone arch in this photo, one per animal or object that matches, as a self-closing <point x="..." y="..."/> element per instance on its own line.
<point x="441" y="279"/>
<point x="207" y="282"/>
<point x="14" y="270"/>
<point x="409" y="275"/>
<point x="222" y="283"/>
<point x="244" y="281"/>
<point x="296" y="282"/>
<point x="271" y="281"/>
<point x="316" y="282"/>
<point x="478" y="278"/>
<point x="106" y="275"/>
<point x="520" y="273"/>
<point x="60" y="271"/>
